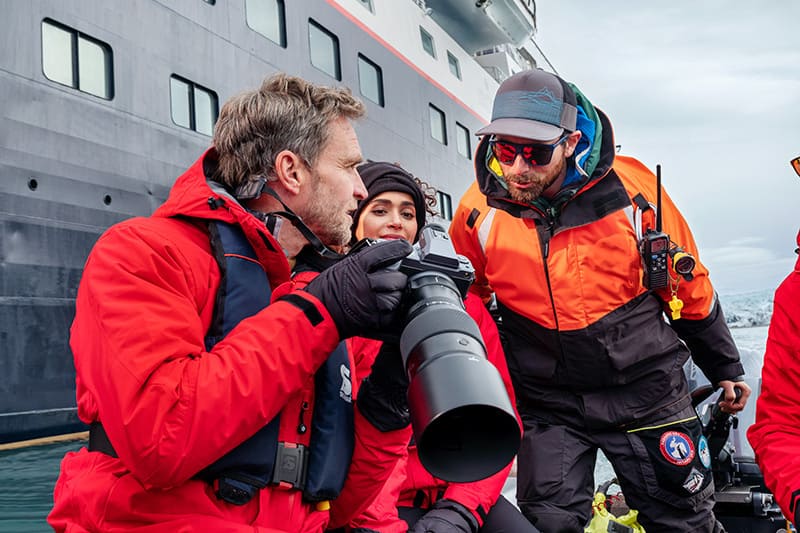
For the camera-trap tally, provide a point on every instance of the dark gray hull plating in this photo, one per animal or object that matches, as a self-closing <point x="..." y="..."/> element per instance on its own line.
<point x="72" y="164"/>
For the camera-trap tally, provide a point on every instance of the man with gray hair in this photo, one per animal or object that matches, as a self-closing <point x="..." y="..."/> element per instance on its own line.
<point x="557" y="226"/>
<point x="219" y="398"/>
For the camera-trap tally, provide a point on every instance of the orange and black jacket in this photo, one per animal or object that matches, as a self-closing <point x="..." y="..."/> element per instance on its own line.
<point x="775" y="436"/>
<point x="587" y="342"/>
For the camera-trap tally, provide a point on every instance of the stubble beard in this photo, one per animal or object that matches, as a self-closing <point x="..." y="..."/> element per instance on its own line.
<point x="329" y="222"/>
<point x="538" y="183"/>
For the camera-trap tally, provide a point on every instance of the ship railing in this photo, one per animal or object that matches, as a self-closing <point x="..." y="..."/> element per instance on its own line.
<point x="421" y="4"/>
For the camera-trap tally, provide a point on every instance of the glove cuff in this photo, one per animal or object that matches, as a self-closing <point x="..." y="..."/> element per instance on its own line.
<point x="463" y="512"/>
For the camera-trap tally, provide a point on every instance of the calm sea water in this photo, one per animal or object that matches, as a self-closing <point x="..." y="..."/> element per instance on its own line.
<point x="27" y="476"/>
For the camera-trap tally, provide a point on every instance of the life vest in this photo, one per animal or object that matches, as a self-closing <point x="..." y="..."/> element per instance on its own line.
<point x="319" y="470"/>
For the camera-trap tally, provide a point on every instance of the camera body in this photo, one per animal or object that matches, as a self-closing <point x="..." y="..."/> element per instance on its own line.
<point x="464" y="425"/>
<point x="434" y="252"/>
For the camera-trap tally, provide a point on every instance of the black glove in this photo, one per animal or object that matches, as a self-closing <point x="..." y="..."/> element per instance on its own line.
<point x="383" y="396"/>
<point x="361" y="295"/>
<point x="446" y="516"/>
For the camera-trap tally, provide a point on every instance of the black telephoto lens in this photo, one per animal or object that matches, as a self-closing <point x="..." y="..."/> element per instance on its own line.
<point x="464" y="425"/>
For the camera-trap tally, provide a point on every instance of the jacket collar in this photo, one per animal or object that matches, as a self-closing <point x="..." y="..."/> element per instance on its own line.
<point x="194" y="195"/>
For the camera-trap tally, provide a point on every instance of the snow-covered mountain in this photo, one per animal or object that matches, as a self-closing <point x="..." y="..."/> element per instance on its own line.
<point x="747" y="310"/>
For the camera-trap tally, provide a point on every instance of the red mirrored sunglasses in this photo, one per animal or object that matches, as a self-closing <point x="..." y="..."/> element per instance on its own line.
<point x="534" y="154"/>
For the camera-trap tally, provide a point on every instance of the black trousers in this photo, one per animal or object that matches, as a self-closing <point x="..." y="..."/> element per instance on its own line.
<point x="662" y="468"/>
<point x="503" y="517"/>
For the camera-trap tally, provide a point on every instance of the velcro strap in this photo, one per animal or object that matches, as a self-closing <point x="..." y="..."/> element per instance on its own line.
<point x="308" y="308"/>
<point x="641" y="202"/>
<point x="473" y="216"/>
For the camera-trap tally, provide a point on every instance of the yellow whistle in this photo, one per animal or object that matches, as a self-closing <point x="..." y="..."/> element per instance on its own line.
<point x="324" y="505"/>
<point x="676" y="304"/>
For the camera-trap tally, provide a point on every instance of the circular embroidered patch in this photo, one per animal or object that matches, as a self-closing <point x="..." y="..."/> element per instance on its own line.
<point x="677" y="447"/>
<point x="703" y="452"/>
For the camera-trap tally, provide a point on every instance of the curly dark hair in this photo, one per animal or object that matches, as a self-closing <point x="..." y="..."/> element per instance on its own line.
<point x="428" y="192"/>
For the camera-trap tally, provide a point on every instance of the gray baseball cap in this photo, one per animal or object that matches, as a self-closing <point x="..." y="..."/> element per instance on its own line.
<point x="532" y="104"/>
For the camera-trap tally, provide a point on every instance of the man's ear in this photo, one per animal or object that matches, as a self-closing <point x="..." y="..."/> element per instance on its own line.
<point x="291" y="171"/>
<point x="572" y="142"/>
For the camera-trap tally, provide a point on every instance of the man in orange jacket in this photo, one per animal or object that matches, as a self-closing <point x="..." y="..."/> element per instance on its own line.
<point x="775" y="436"/>
<point x="553" y="226"/>
<point x="214" y="407"/>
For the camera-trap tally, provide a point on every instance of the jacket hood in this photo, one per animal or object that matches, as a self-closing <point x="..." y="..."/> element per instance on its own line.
<point x="592" y="159"/>
<point x="194" y="195"/>
<point x="587" y="153"/>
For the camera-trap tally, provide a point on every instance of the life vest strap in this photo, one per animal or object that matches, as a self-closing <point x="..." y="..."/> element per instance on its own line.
<point x="98" y="440"/>
<point x="291" y="465"/>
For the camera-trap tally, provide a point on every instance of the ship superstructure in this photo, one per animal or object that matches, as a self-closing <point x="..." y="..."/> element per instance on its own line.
<point x="106" y="103"/>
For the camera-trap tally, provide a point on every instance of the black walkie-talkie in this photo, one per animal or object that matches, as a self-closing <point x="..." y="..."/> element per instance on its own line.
<point x="655" y="247"/>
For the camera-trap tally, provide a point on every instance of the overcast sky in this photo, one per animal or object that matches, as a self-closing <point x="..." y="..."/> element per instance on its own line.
<point x="710" y="89"/>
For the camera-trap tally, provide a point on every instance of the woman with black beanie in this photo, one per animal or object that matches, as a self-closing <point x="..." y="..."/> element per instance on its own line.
<point x="413" y="500"/>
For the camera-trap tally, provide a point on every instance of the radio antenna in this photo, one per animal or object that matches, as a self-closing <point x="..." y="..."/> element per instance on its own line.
<point x="658" y="198"/>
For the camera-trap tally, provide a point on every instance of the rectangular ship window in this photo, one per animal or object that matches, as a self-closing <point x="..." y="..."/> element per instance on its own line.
<point x="462" y="141"/>
<point x="438" y="127"/>
<point x="193" y="107"/>
<point x="267" y="17"/>
<point x="445" y="203"/>
<point x="76" y="60"/>
<point x="323" y="46"/>
<point x="370" y="80"/>
<point x="427" y="42"/>
<point x="455" y="66"/>
<point x="368" y="5"/>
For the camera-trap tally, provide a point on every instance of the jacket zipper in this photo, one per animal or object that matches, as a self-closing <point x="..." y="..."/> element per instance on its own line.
<point x="551" y="222"/>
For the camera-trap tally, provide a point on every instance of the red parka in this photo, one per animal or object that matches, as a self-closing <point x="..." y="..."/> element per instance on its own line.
<point x="171" y="408"/>
<point x="775" y="436"/>
<point x="410" y="478"/>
